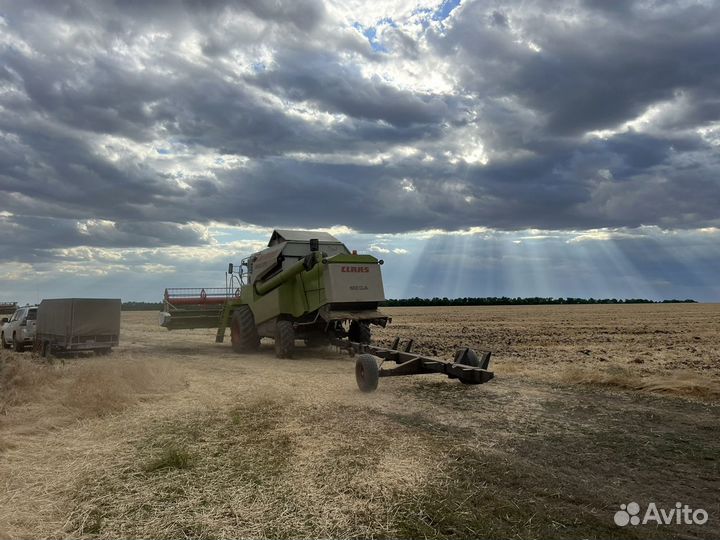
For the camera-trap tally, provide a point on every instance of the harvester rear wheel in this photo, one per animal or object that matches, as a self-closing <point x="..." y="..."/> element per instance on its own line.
<point x="359" y="332"/>
<point x="284" y="339"/>
<point x="243" y="332"/>
<point x="367" y="373"/>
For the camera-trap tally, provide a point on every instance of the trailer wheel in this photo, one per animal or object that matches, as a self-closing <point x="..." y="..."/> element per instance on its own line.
<point x="367" y="373"/>
<point x="4" y="345"/>
<point x="243" y="333"/>
<point x="359" y="332"/>
<point x="284" y="339"/>
<point x="45" y="349"/>
<point x="19" y="347"/>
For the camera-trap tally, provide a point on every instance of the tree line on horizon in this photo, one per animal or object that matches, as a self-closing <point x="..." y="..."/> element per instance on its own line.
<point x="471" y="301"/>
<point x="521" y="301"/>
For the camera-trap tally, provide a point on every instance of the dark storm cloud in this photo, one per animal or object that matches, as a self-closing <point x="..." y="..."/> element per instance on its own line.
<point x="620" y="182"/>
<point x="46" y="172"/>
<point x="595" y="68"/>
<point x="330" y="83"/>
<point x="125" y="15"/>
<point x="561" y="190"/>
<point x="93" y="92"/>
<point x="110" y="102"/>
<point x="34" y="239"/>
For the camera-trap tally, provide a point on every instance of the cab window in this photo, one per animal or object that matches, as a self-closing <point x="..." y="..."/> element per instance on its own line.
<point x="32" y="315"/>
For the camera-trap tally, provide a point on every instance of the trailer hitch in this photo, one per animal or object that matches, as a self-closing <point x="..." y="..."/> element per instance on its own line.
<point x="466" y="366"/>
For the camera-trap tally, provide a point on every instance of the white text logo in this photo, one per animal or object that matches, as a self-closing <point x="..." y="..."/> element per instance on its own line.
<point x="681" y="514"/>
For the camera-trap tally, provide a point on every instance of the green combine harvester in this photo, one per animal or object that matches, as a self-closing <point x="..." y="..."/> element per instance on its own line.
<point x="308" y="286"/>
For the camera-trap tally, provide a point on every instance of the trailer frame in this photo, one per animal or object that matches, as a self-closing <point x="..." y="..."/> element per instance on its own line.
<point x="466" y="366"/>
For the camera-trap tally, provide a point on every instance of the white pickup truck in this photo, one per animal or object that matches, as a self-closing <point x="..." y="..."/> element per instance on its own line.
<point x="19" y="331"/>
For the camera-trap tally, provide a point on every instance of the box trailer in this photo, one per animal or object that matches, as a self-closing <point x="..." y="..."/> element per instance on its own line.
<point x="67" y="325"/>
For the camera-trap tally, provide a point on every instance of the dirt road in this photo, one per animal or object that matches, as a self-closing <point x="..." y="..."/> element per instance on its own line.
<point x="176" y="436"/>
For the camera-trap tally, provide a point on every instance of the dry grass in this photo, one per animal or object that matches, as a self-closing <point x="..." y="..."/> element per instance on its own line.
<point x="22" y="379"/>
<point x="272" y="466"/>
<point x="177" y="437"/>
<point x="685" y="384"/>
<point x="172" y="456"/>
<point x="99" y="389"/>
<point x="43" y="404"/>
<point x="188" y="477"/>
<point x="256" y="470"/>
<point x="87" y="387"/>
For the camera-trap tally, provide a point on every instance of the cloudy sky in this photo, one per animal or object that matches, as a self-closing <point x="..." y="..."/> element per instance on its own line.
<point x="551" y="148"/>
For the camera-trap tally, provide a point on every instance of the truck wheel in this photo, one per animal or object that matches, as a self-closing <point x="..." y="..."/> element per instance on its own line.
<point x="243" y="333"/>
<point x="359" y="332"/>
<point x="19" y="347"/>
<point x="366" y="373"/>
<point x="284" y="339"/>
<point x="4" y="345"/>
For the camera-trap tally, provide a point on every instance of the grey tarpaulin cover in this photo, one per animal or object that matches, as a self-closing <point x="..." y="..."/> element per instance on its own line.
<point x="79" y="317"/>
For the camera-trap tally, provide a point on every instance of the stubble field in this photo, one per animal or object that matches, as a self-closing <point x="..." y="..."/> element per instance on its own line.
<point x="174" y="436"/>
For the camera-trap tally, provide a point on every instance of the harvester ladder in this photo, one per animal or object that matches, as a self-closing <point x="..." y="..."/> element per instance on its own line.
<point x="223" y="323"/>
<point x="235" y="280"/>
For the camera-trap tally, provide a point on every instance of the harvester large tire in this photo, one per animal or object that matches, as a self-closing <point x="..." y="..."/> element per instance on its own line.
<point x="359" y="332"/>
<point x="284" y="339"/>
<point x="367" y="373"/>
<point x="243" y="332"/>
<point x="4" y="345"/>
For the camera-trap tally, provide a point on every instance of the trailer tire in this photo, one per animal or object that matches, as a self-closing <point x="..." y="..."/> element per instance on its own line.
<point x="46" y="349"/>
<point x="243" y="332"/>
<point x="19" y="347"/>
<point x="359" y="332"/>
<point x="367" y="373"/>
<point x="4" y="345"/>
<point x="284" y="339"/>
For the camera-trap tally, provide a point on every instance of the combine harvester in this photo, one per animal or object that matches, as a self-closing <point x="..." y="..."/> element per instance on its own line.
<point x="308" y="286"/>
